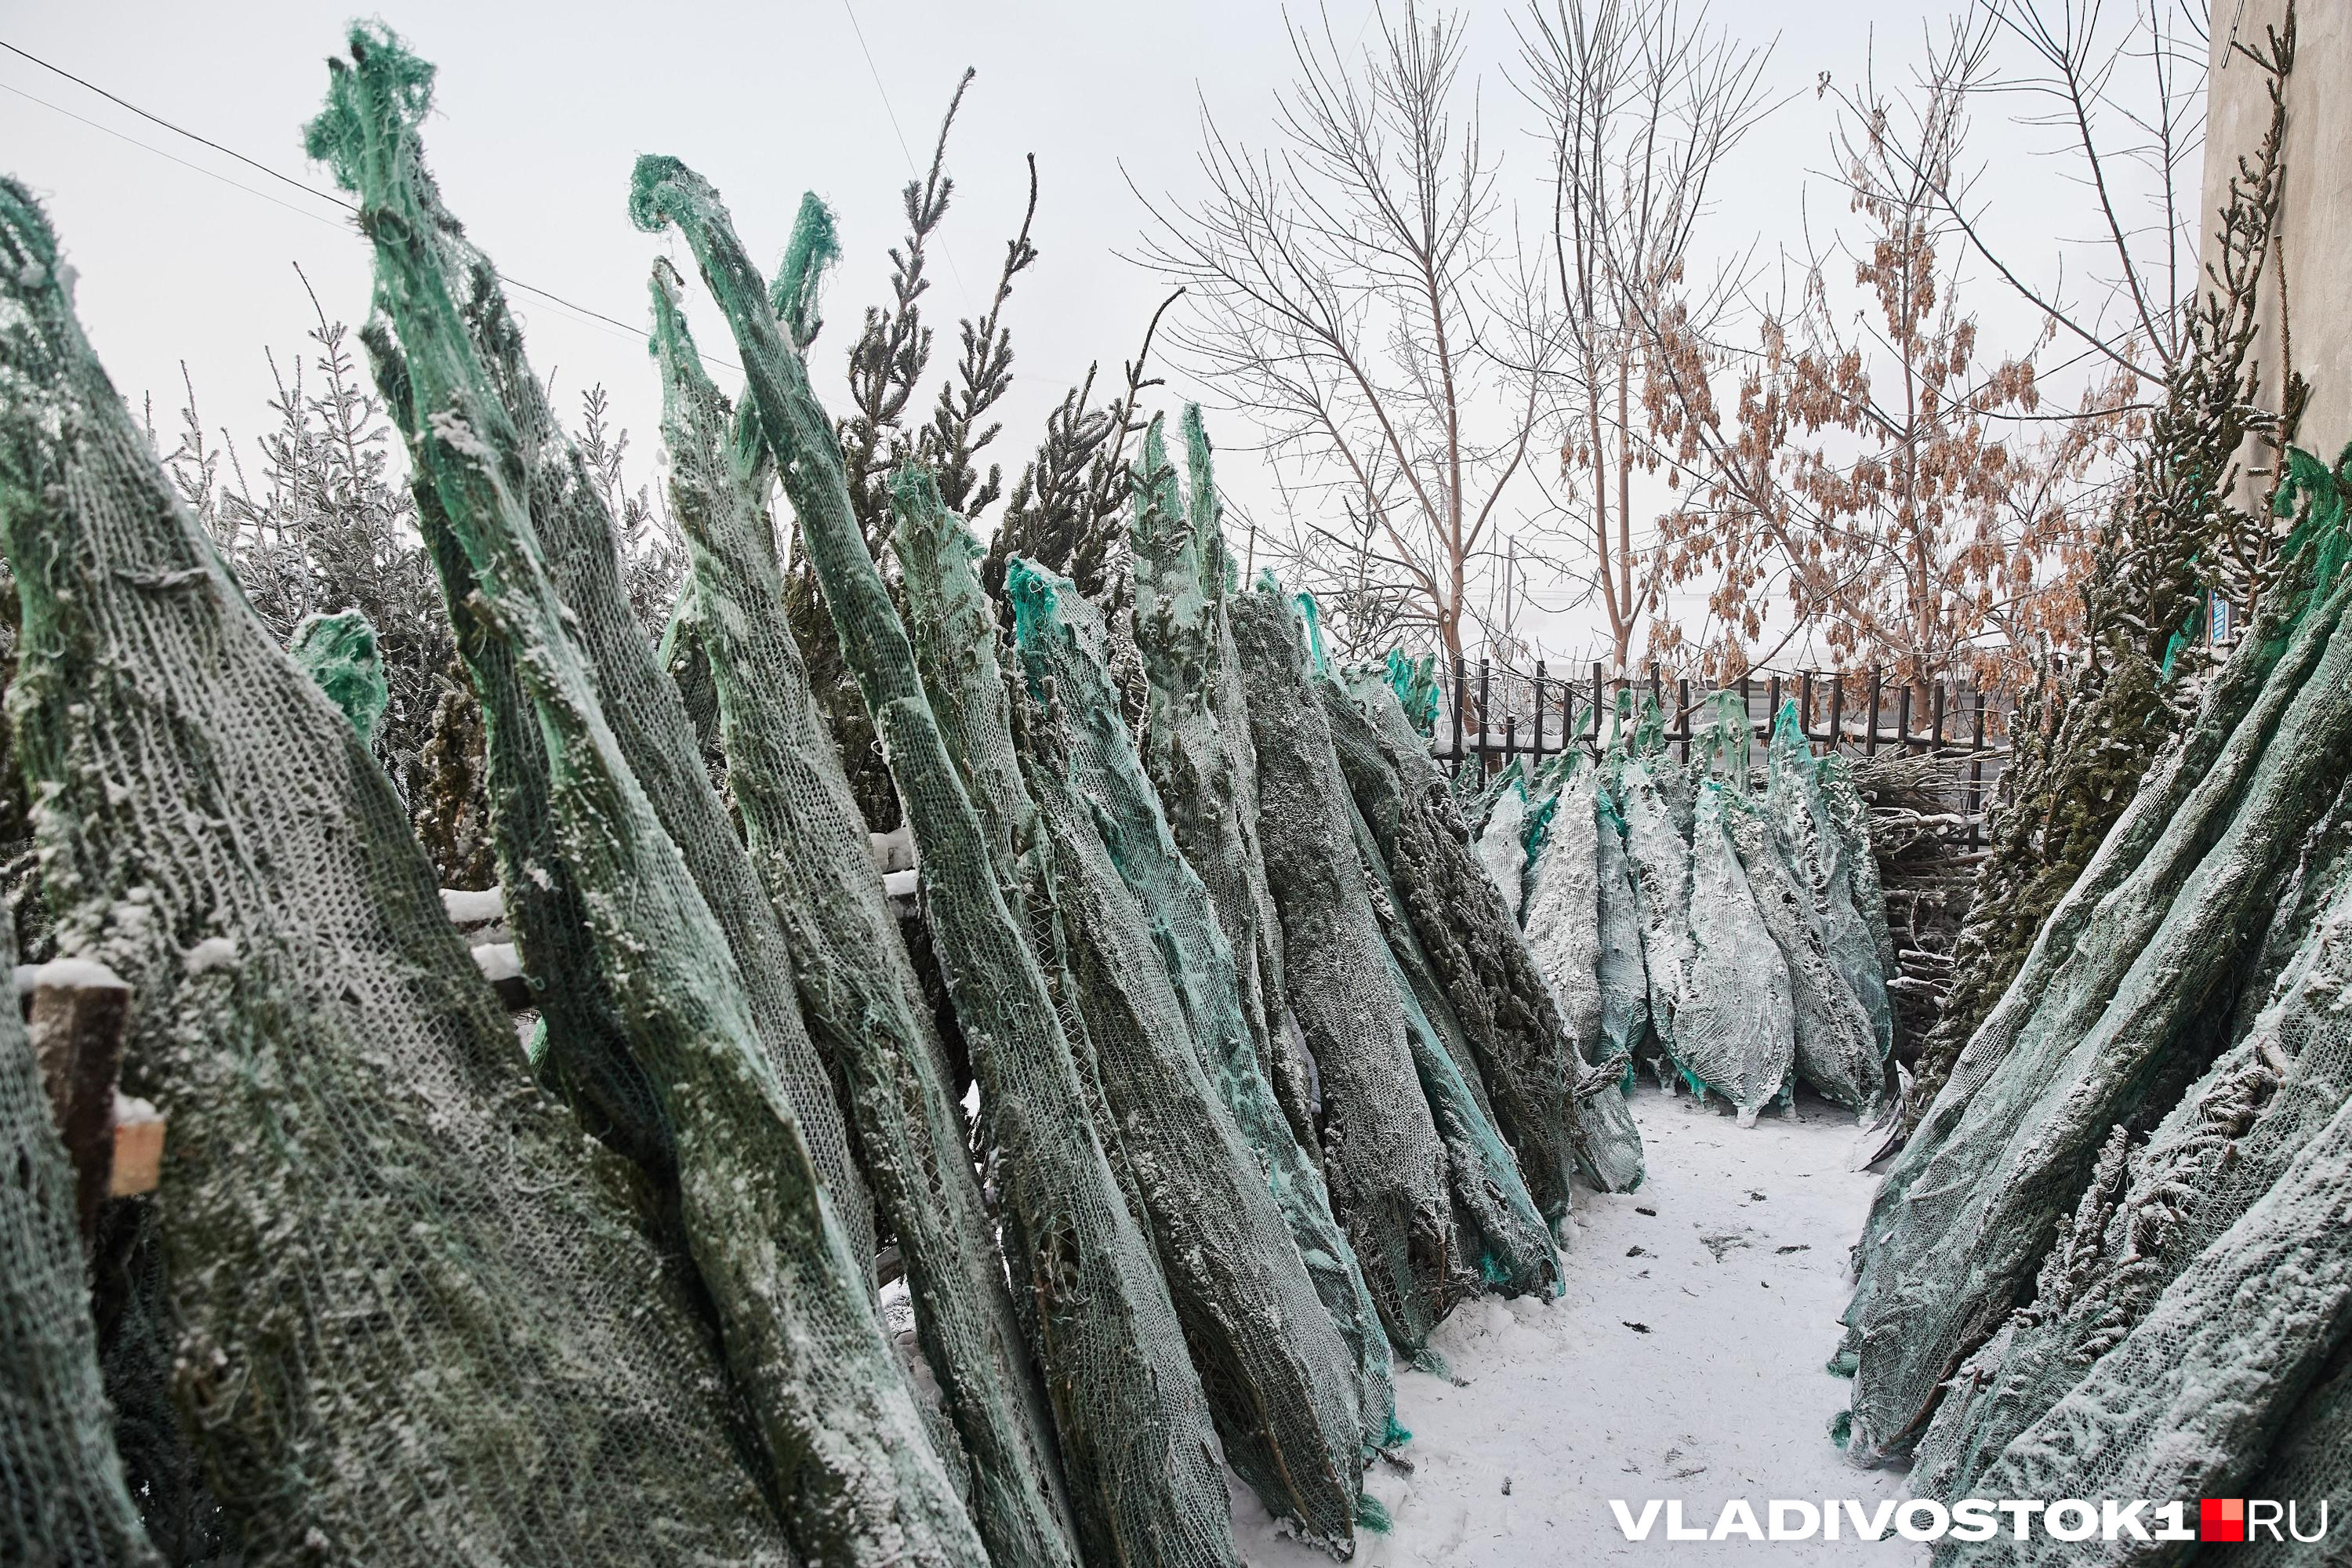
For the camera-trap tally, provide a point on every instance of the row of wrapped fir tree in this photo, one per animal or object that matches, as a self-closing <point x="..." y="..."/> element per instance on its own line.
<point x="1267" y="1078"/>
<point x="2114" y="1258"/>
<point x="1726" y="929"/>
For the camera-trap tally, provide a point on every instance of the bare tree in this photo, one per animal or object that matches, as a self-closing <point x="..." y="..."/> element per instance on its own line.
<point x="2124" y="94"/>
<point x="1899" y="487"/>
<point x="1640" y="104"/>
<point x="1347" y="291"/>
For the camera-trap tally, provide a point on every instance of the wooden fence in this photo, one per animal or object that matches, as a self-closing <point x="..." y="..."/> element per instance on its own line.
<point x="1536" y="715"/>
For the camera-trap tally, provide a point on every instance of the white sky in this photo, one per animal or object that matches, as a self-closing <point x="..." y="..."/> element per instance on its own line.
<point x="542" y="110"/>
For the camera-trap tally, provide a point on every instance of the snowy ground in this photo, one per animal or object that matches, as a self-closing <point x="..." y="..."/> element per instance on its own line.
<point x="1732" y="1260"/>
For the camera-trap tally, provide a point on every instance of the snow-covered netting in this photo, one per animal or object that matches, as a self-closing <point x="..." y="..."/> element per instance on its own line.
<point x="347" y="1105"/>
<point x="2126" y="1000"/>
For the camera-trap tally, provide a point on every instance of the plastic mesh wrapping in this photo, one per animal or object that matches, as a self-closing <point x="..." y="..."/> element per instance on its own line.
<point x="2188" y="1402"/>
<point x="1822" y="830"/>
<point x="1281" y="1381"/>
<point x="2118" y="1006"/>
<point x="858" y="987"/>
<point x="411" y="1318"/>
<point x="2143" y="1219"/>
<point x="1660" y="859"/>
<point x="1496" y="1221"/>
<point x="2312" y="1461"/>
<point x="1836" y="1041"/>
<point x="1381" y="1155"/>
<point x="641" y="707"/>
<point x="1734" y="1031"/>
<point x="1195" y="738"/>
<point x="339" y="652"/>
<point x="1592" y="967"/>
<point x="1502" y="842"/>
<point x="1470" y="937"/>
<point x="1061" y="645"/>
<point x="1136" y="1438"/>
<point x="1624" y="977"/>
<point x="63" y="1503"/>
<point x="854" y="1468"/>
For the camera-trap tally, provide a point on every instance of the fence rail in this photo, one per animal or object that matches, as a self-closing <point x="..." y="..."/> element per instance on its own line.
<point x="1862" y="713"/>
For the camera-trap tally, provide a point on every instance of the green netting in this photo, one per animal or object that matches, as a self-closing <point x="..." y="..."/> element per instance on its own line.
<point x="857" y="986"/>
<point x="2189" y="1402"/>
<point x="1381" y="1154"/>
<point x="1281" y="1380"/>
<point x="1659" y="858"/>
<point x="2311" y="1461"/>
<point x="1414" y="681"/>
<point x="1735" y="1030"/>
<point x="1195" y="739"/>
<point x="1836" y="1046"/>
<point x="2125" y="997"/>
<point x="1592" y="967"/>
<point x="339" y="652"/>
<point x="2144" y="1219"/>
<point x="1625" y="979"/>
<point x="854" y="1468"/>
<point x="63" y="1503"/>
<point x="1798" y="868"/>
<point x="1506" y="1245"/>
<point x="577" y="536"/>
<point x="1351" y="735"/>
<point x="1501" y="847"/>
<point x="1060" y="641"/>
<point x="1823" y="829"/>
<point x="412" y="1321"/>
<point x="682" y="655"/>
<point x="1135" y="1432"/>
<point x="1472" y="938"/>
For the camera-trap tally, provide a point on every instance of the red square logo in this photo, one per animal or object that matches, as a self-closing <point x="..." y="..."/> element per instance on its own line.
<point x="2221" y="1519"/>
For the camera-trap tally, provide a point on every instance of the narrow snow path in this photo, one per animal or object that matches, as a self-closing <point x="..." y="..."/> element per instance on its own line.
<point x="1737" y="1275"/>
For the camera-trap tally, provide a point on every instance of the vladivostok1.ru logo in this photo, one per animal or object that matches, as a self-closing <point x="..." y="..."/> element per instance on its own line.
<point x="1979" y="1519"/>
<point x="2258" y="1519"/>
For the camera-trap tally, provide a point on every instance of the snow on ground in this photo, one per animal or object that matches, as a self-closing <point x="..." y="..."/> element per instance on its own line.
<point x="1732" y="1258"/>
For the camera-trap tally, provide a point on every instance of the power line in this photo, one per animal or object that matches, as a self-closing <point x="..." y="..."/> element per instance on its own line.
<point x="876" y="72"/>
<point x="896" y="130"/>
<point x="176" y="130"/>
<point x="638" y="333"/>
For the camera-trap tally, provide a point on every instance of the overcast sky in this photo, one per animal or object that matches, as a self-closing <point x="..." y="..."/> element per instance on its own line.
<point x="542" y="110"/>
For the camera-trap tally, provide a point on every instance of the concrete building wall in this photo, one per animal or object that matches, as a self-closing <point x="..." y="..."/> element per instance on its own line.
<point x="2314" y="232"/>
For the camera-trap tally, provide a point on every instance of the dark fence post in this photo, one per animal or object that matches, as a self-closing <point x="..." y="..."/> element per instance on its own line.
<point x="1936" y="715"/>
<point x="1805" y="706"/>
<point x="1682" y="715"/>
<point x="1773" y="700"/>
<point x="1877" y="683"/>
<point x="1536" y="707"/>
<point x="1903" y="717"/>
<point x="1482" y="722"/>
<point x="1976" y="773"/>
<point x="1461" y="690"/>
<point x="1599" y="696"/>
<point x="1837" y="710"/>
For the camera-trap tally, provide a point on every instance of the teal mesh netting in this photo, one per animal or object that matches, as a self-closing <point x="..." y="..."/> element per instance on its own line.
<point x="1135" y="1432"/>
<point x="858" y="987"/>
<point x="2124" y="998"/>
<point x="1470" y="934"/>
<point x="1585" y="939"/>
<point x="412" y="1317"/>
<point x="853" y="1466"/>
<point x="1381" y="1154"/>
<point x="1061" y="645"/>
